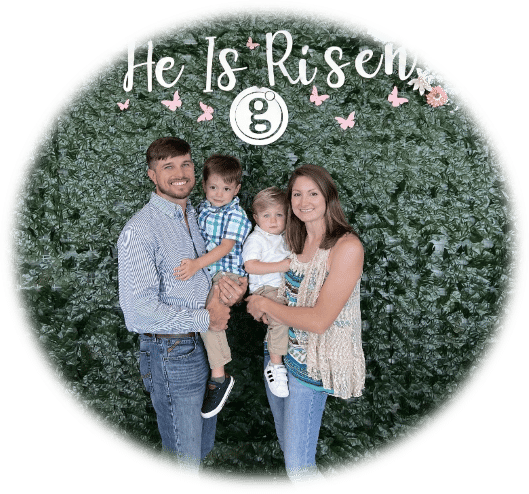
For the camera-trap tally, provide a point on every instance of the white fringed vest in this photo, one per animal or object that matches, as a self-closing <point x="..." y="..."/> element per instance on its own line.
<point x="335" y="357"/>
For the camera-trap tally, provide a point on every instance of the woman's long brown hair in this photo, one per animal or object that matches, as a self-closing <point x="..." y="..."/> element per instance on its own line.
<point x="336" y="225"/>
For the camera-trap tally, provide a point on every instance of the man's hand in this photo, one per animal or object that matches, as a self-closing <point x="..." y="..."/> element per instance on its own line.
<point x="187" y="268"/>
<point x="232" y="292"/>
<point x="219" y="313"/>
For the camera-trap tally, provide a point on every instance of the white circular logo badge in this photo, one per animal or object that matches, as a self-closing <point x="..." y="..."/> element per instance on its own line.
<point x="258" y="116"/>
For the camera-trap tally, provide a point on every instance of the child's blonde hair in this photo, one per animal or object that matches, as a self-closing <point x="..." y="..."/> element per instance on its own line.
<point x="269" y="197"/>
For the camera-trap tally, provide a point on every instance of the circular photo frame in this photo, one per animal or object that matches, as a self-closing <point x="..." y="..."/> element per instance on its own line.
<point x="30" y="408"/>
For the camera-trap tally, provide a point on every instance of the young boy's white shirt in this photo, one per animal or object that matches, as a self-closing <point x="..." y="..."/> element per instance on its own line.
<point x="265" y="247"/>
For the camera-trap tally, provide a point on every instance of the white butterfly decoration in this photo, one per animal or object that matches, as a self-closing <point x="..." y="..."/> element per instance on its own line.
<point x="422" y="82"/>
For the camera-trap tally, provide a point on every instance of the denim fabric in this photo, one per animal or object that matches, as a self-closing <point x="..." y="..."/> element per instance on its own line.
<point x="298" y="420"/>
<point x="175" y="373"/>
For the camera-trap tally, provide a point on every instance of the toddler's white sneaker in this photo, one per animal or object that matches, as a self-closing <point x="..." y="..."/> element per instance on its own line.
<point x="276" y="377"/>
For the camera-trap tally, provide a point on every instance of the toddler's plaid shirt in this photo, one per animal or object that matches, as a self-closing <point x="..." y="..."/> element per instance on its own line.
<point x="228" y="221"/>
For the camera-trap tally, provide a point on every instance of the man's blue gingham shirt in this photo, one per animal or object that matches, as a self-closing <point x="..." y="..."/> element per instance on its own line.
<point x="228" y="221"/>
<point x="151" y="245"/>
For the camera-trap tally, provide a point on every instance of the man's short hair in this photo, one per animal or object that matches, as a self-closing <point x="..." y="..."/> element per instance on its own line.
<point x="227" y="167"/>
<point x="166" y="147"/>
<point x="266" y="198"/>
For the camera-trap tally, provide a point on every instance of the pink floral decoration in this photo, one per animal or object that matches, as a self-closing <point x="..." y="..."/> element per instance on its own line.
<point x="208" y="112"/>
<point x="123" y="106"/>
<point x="173" y="104"/>
<point x="250" y="44"/>
<point x="394" y="99"/>
<point x="346" y="122"/>
<point x="437" y="97"/>
<point x="316" y="98"/>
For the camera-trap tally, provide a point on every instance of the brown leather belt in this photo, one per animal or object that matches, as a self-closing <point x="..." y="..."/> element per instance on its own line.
<point x="180" y="335"/>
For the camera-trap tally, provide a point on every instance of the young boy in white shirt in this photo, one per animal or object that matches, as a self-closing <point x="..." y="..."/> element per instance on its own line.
<point x="265" y="256"/>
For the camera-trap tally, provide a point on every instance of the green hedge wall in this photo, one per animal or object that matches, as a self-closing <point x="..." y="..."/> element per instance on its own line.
<point x="421" y="185"/>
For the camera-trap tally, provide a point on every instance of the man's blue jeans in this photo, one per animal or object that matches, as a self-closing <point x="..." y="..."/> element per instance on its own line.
<point x="298" y="420"/>
<point x="175" y="372"/>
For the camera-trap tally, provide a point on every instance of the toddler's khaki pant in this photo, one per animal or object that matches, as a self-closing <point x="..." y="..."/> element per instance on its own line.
<point x="277" y="334"/>
<point x="215" y="342"/>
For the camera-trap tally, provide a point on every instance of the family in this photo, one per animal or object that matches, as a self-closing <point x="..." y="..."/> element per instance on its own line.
<point x="181" y="269"/>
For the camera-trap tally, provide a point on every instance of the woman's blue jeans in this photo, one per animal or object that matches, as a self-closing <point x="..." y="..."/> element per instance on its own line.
<point x="175" y="372"/>
<point x="298" y="420"/>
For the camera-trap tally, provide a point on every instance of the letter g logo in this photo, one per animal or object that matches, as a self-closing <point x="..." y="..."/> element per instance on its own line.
<point x="258" y="116"/>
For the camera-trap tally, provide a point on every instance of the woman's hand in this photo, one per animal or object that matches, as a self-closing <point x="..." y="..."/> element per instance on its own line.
<point x="255" y="307"/>
<point x="345" y="268"/>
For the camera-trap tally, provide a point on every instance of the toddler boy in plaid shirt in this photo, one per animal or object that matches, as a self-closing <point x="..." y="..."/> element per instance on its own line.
<point x="224" y="226"/>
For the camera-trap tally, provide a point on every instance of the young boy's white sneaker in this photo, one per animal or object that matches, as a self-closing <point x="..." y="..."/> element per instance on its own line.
<point x="276" y="377"/>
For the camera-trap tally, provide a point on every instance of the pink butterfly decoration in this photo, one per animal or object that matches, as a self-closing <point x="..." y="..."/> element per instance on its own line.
<point x="123" y="106"/>
<point x="394" y="99"/>
<point x="345" y="123"/>
<point x="317" y="100"/>
<point x="174" y="104"/>
<point x="208" y="112"/>
<point x="250" y="44"/>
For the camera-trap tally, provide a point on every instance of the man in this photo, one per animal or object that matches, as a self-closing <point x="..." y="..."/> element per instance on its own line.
<point x="168" y="313"/>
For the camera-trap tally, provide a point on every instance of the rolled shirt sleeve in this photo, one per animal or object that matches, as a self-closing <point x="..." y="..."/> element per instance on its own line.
<point x="252" y="248"/>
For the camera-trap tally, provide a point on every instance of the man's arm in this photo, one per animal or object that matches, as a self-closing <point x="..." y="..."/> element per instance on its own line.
<point x="189" y="267"/>
<point x="219" y="313"/>
<point x="139" y="287"/>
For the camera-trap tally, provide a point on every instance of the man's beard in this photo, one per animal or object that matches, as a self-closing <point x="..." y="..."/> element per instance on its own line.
<point x="169" y="192"/>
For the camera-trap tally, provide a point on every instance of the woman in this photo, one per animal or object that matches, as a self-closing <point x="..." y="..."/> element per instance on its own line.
<point x="322" y="289"/>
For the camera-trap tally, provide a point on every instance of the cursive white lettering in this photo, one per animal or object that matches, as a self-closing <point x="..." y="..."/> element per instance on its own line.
<point x="363" y="57"/>
<point x="336" y="69"/>
<point x="281" y="63"/>
<point x="228" y="70"/>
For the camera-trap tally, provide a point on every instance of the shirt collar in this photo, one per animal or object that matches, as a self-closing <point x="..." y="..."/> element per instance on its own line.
<point x="233" y="204"/>
<point x="169" y="208"/>
<point x="260" y="230"/>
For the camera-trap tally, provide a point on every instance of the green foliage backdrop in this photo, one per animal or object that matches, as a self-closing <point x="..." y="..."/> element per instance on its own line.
<point x="421" y="185"/>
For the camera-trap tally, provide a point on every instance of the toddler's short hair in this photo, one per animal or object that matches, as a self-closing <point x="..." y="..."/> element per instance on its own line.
<point x="269" y="197"/>
<point x="227" y="167"/>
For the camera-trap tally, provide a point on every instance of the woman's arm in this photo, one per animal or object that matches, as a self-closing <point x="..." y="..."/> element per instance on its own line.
<point x="346" y="263"/>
